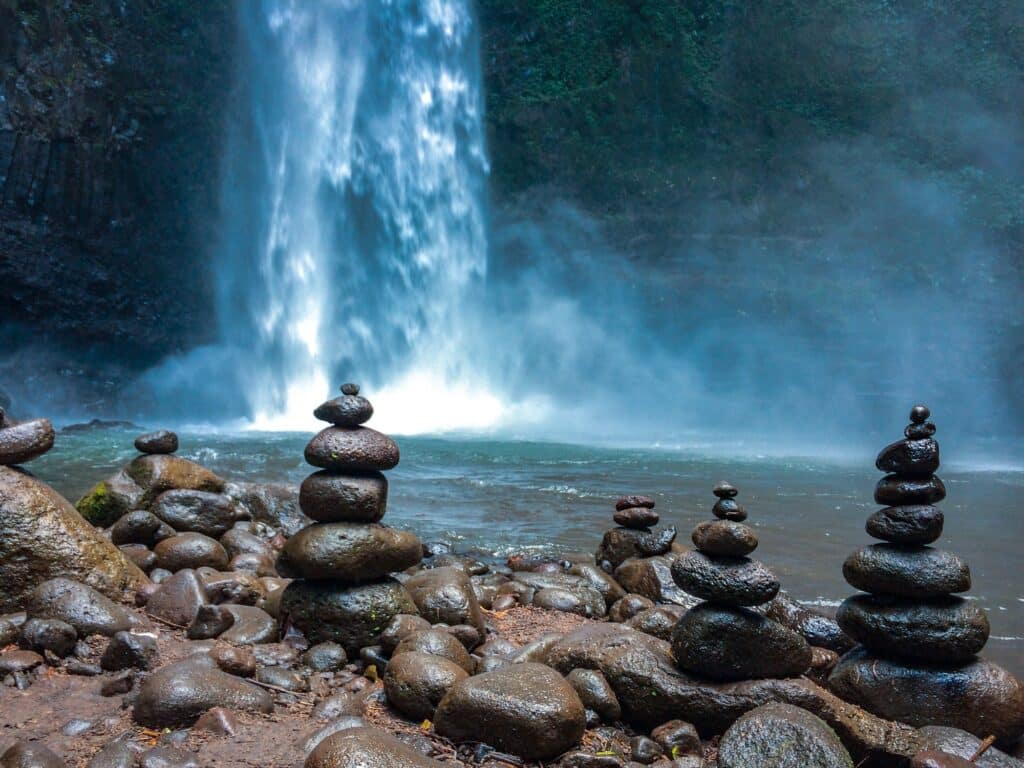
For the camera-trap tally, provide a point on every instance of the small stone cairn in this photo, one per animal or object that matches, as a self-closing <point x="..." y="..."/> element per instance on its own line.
<point x="20" y="442"/>
<point x="633" y="537"/>
<point x="917" y="661"/>
<point x="342" y="591"/>
<point x="721" y="639"/>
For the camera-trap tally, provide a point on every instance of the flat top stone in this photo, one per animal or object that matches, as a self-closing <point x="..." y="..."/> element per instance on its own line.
<point x="359" y="449"/>
<point x="159" y="442"/>
<point x="727" y="580"/>
<point x="633" y="500"/>
<point x="25" y="441"/>
<point x="906" y="571"/>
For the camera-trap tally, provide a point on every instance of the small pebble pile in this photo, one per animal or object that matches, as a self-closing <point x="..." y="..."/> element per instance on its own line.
<point x="721" y="639"/>
<point x="342" y="591"/>
<point x="917" y="661"/>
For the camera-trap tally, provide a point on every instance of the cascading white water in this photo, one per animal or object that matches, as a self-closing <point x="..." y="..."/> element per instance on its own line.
<point x="354" y="207"/>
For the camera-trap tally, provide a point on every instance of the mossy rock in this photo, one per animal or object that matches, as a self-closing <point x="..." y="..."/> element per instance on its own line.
<point x="109" y="499"/>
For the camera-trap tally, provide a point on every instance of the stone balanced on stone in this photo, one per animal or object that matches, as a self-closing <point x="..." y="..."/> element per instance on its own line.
<point x="343" y="591"/>
<point x="23" y="441"/>
<point x="635" y="516"/>
<point x="721" y="639"/>
<point x="918" y="641"/>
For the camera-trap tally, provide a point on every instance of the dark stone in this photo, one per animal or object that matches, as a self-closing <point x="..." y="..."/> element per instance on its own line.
<point x="210" y="621"/>
<point x="190" y="550"/>
<point x="913" y="524"/>
<point x="651" y="577"/>
<point x="919" y="431"/>
<point x="345" y="411"/>
<point x="13" y="662"/>
<point x="620" y="544"/>
<point x="358" y="449"/>
<point x="399" y="628"/>
<point x="160" y="442"/>
<point x="726" y="580"/>
<point x="239" y="541"/>
<point x="140" y="527"/>
<point x="211" y="514"/>
<point x="352" y="616"/>
<point x="156" y="474"/>
<point x="636" y="517"/>
<point x="737" y="644"/>
<point x="633" y="500"/>
<point x="119" y="753"/>
<point x="219" y="721"/>
<point x="325" y="657"/>
<point x="906" y="571"/>
<point x="43" y="537"/>
<point x="240" y="661"/>
<point x="659" y="622"/>
<point x="130" y="650"/>
<point x="729" y="509"/>
<point x="178" y="598"/>
<point x="342" y="704"/>
<point x="604" y="583"/>
<point x="368" y="747"/>
<point x="466" y="634"/>
<point x="527" y="709"/>
<point x="564" y="600"/>
<point x="349" y="388"/>
<point x="416" y="682"/>
<point x="445" y="595"/>
<point x="437" y="642"/>
<point x="725" y="490"/>
<point x="919" y="414"/>
<point x="109" y="499"/>
<point x="122" y="682"/>
<point x="251" y="626"/>
<point x="900" y="490"/>
<point x="954" y="741"/>
<point x="140" y="554"/>
<point x="677" y="738"/>
<point x="595" y="693"/>
<point x="53" y="635"/>
<point x="914" y="458"/>
<point x="629" y="606"/>
<point x="724" y="538"/>
<point x="85" y="609"/>
<point x="586" y="599"/>
<point x="644" y="750"/>
<point x="23" y="442"/>
<point x="22" y="754"/>
<point x="819" y="630"/>
<point x="279" y="677"/>
<point x="944" y="629"/>
<point x="979" y="697"/>
<point x="781" y="736"/>
<point x="176" y="695"/>
<point x="272" y="504"/>
<point x="349" y="552"/>
<point x="330" y="497"/>
<point x="931" y="759"/>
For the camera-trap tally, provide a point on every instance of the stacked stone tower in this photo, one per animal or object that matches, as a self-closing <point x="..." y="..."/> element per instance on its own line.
<point x="918" y="640"/>
<point x="635" y="516"/>
<point x="721" y="639"/>
<point x="341" y="563"/>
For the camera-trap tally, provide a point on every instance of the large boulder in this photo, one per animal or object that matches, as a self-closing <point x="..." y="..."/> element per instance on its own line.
<point x="446" y="595"/>
<point x="367" y="748"/>
<point x="43" y="537"/>
<point x="415" y="682"/>
<point x="156" y="474"/>
<point x="110" y="499"/>
<point x="781" y="736"/>
<point x="526" y="709"/>
<point x="652" y="690"/>
<point x="349" y="551"/>
<point x="25" y="441"/>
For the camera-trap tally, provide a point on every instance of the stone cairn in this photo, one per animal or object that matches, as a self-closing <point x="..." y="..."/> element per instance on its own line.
<point x="917" y="661"/>
<point x="633" y="537"/>
<point x="721" y="639"/>
<point x="342" y="591"/>
<point x="23" y="441"/>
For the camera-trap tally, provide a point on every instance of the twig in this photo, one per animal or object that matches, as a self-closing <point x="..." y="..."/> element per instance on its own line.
<point x="988" y="742"/>
<point x="276" y="688"/>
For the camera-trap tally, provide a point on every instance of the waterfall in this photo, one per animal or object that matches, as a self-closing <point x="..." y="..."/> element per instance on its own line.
<point x="354" y="234"/>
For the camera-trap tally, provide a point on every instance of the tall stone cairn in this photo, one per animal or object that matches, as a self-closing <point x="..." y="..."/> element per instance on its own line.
<point x="341" y="564"/>
<point x="917" y="659"/>
<point x="722" y="639"/>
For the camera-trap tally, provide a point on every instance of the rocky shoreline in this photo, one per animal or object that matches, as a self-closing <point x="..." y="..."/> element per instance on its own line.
<point x="174" y="618"/>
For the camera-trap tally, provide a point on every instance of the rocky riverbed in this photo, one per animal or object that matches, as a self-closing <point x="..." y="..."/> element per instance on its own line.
<point x="175" y="617"/>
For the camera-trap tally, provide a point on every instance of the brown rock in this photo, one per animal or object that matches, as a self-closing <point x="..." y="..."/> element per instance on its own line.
<point x="155" y="474"/>
<point x="357" y="449"/>
<point x="25" y="441"/>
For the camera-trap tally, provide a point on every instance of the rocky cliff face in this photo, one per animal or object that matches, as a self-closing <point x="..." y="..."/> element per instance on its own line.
<point x="110" y="120"/>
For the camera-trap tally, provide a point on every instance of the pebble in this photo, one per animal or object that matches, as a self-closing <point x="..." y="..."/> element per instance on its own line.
<point x="252" y="626"/>
<point x="596" y="694"/>
<point x="724" y="538"/>
<point x="239" y="661"/>
<point x="167" y="757"/>
<point x="210" y="621"/>
<point x="906" y="571"/>
<point x="22" y="754"/>
<point x="636" y="517"/>
<point x="629" y="606"/>
<point x="282" y="678"/>
<point x="190" y="550"/>
<point x="626" y="502"/>
<point x="331" y="497"/>
<point x="445" y="595"/>
<point x="127" y="650"/>
<point x="12" y="662"/>
<point x="139" y="554"/>
<point x="178" y="598"/>
<point x="781" y="736"/>
<point x="900" y="490"/>
<point x="437" y="642"/>
<point x="366" y="747"/>
<point x="677" y="737"/>
<point x="119" y="683"/>
<point x="81" y="606"/>
<point x="325" y="657"/>
<point x="140" y="527"/>
<point x="912" y="524"/>
<point x="217" y="720"/>
<point x="53" y="635"/>
<point x="162" y="441"/>
<point x="644" y="750"/>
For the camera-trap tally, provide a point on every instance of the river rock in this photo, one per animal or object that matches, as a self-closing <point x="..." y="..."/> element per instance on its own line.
<point x="349" y="552"/>
<point x="351" y="615"/>
<point x="437" y="642"/>
<point x="210" y="621"/>
<point x="737" y="644"/>
<point x="77" y="604"/>
<point x="345" y="411"/>
<point x="367" y="747"/>
<point x="817" y="629"/>
<point x="42" y="537"/>
<point x="945" y="629"/>
<point x="629" y="606"/>
<point x="155" y="474"/>
<point x="211" y="514"/>
<point x="178" y="598"/>
<point x="23" y="442"/>
<point x="609" y="588"/>
<point x="979" y="697"/>
<point x="251" y="626"/>
<point x="140" y="527"/>
<point x="130" y="650"/>
<point x="416" y="682"/>
<point x="620" y="544"/>
<point x="176" y="695"/>
<point x="724" y="538"/>
<point x="729" y="509"/>
<point x="729" y="581"/>
<point x="22" y="754"/>
<point x="53" y="635"/>
<point x="358" y="449"/>
<point x="585" y="600"/>
<point x="274" y="504"/>
<point x="161" y="441"/>
<point x="190" y="550"/>
<point x="399" y="628"/>
<point x="445" y="595"/>
<point x="905" y="571"/>
<point x="329" y="497"/>
<point x="659" y="621"/>
<point x="636" y="517"/>
<point x="110" y="499"/>
<point x="241" y="542"/>
<point x="651" y="577"/>
<point x="633" y="501"/>
<point x="898" y="490"/>
<point x="916" y="458"/>
<point x="781" y="736"/>
<point x="954" y="741"/>
<point x="595" y="693"/>
<point x="526" y="709"/>
<point x="913" y="524"/>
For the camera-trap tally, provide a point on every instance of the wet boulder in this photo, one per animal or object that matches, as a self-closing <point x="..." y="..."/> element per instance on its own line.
<point x="620" y="544"/>
<point x="349" y="551"/>
<point x="77" y="604"/>
<point x="651" y="577"/>
<point x="726" y="580"/>
<point x="437" y="642"/>
<point x="906" y="571"/>
<point x="330" y="497"/>
<point x="445" y="595"/>
<point x="190" y="550"/>
<point x="110" y="499"/>
<point x="819" y="630"/>
<point x="526" y="709"/>
<point x="43" y="537"/>
<point x="160" y="441"/>
<point x="781" y="736"/>
<point x="24" y="441"/>
<point x="273" y="504"/>
<point x="22" y="754"/>
<point x="356" y="449"/>
<point x="140" y="527"/>
<point x="156" y="474"/>
<point x="370" y="747"/>
<point x="178" y="599"/>
<point x="211" y="514"/>
<point x="416" y="682"/>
